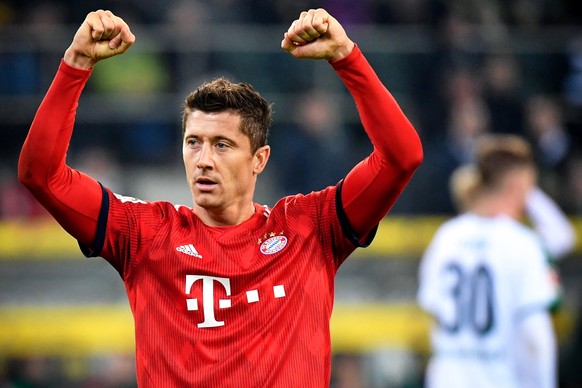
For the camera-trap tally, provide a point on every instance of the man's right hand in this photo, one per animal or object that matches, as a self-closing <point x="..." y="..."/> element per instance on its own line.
<point x="102" y="35"/>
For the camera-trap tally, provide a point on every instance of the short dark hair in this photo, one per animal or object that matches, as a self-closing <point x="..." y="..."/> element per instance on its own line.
<point x="222" y="95"/>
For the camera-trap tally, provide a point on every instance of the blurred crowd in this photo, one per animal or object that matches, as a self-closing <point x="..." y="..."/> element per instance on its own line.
<point x="432" y="12"/>
<point x="474" y="78"/>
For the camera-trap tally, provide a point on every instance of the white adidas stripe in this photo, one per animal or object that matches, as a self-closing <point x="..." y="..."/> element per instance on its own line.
<point x="189" y="250"/>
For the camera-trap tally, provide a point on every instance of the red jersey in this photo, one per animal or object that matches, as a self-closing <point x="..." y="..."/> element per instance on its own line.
<point x="244" y="305"/>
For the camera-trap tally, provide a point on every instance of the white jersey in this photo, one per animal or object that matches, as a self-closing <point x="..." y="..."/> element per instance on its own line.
<point x="478" y="278"/>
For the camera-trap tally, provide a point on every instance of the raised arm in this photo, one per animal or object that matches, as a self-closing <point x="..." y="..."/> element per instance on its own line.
<point x="74" y="199"/>
<point x="372" y="187"/>
<point x="551" y="223"/>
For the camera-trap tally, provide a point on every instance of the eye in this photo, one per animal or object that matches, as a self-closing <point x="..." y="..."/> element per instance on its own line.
<point x="192" y="142"/>
<point x="221" y="145"/>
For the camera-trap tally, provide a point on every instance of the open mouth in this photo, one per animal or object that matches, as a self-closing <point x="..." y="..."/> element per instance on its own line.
<point x="205" y="184"/>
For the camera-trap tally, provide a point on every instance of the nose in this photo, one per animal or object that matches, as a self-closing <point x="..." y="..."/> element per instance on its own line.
<point x="204" y="157"/>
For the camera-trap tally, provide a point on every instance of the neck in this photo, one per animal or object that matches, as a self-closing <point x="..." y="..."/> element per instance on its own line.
<point x="494" y="205"/>
<point x="224" y="217"/>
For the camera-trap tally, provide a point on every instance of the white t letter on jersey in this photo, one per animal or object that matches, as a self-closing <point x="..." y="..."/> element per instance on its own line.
<point x="208" y="297"/>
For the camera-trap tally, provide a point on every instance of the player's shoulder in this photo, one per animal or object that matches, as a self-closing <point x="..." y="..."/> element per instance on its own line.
<point x="161" y="207"/>
<point x="446" y="238"/>
<point x="312" y="210"/>
<point x="517" y="240"/>
<point x="515" y="230"/>
<point x="134" y="201"/>
<point x="502" y="224"/>
<point x="126" y="199"/>
<point x="324" y="195"/>
<point x="457" y="222"/>
<point x="500" y="227"/>
<point x="452" y="227"/>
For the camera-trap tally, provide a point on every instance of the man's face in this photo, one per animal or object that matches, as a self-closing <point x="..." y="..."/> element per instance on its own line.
<point x="220" y="168"/>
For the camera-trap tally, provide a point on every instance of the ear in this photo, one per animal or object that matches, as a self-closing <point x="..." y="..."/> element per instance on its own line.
<point x="260" y="159"/>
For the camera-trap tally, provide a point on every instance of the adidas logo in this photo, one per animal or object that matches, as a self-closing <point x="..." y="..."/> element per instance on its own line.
<point x="189" y="250"/>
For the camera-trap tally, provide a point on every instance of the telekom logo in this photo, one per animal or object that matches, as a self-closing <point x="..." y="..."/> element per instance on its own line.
<point x="208" y="283"/>
<point x="207" y="298"/>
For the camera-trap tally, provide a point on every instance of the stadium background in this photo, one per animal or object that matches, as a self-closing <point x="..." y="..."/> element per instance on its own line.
<point x="456" y="67"/>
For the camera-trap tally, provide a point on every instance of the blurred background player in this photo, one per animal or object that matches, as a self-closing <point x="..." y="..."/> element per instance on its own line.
<point x="486" y="281"/>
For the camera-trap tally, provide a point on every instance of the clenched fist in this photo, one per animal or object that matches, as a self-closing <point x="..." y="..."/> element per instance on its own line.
<point x="102" y="35"/>
<point x="317" y="35"/>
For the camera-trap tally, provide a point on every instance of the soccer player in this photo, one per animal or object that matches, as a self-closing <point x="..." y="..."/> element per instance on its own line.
<point x="226" y="292"/>
<point x="486" y="280"/>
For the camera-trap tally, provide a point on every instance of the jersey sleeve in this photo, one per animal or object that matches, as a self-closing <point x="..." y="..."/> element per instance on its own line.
<point x="373" y="186"/>
<point x="536" y="351"/>
<point x="103" y="223"/>
<point x="71" y="197"/>
<point x="125" y="230"/>
<point x="536" y="288"/>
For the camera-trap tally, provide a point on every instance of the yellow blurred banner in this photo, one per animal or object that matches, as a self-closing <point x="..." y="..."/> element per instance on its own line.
<point x="40" y="239"/>
<point x="367" y="327"/>
<point x="73" y="331"/>
<point x="45" y="239"/>
<point x="397" y="237"/>
<point x="69" y="331"/>
<point x="66" y="330"/>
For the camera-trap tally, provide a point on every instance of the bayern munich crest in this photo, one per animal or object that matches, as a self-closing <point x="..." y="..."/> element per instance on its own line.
<point x="273" y="245"/>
